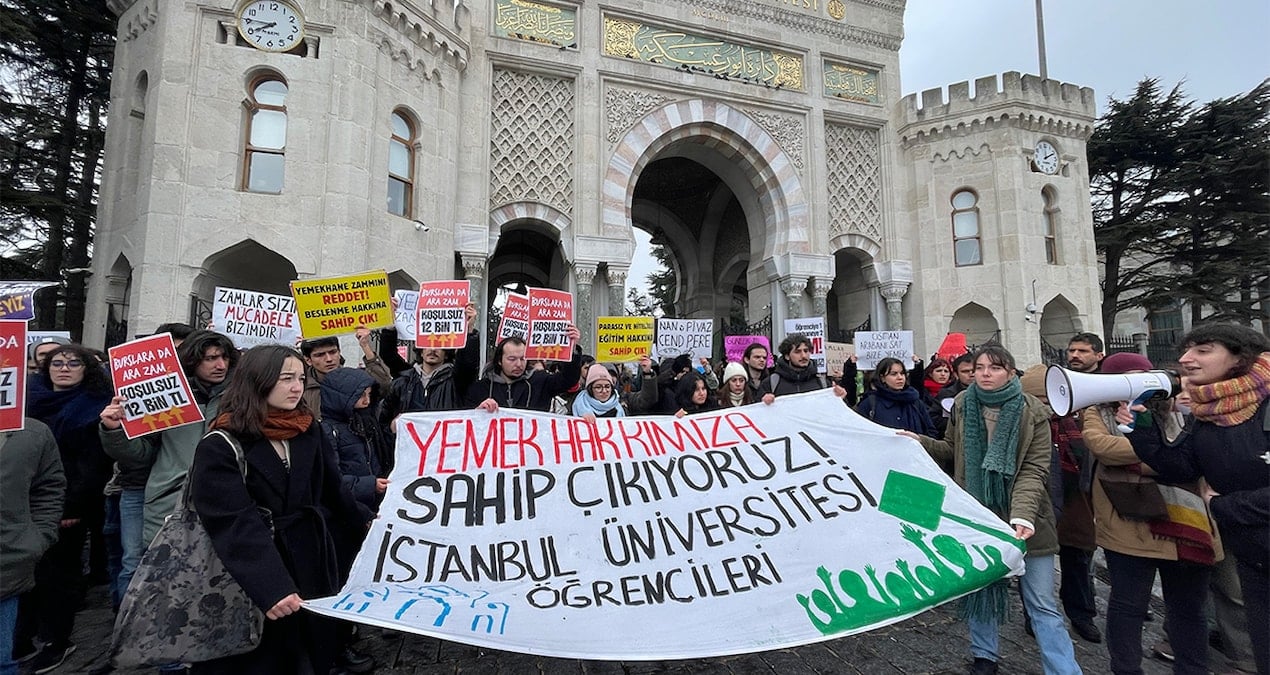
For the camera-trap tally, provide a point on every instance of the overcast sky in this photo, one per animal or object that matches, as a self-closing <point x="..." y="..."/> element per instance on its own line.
<point x="1220" y="48"/>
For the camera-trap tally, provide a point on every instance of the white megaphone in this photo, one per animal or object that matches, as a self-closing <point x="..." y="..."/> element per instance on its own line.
<point x="1070" y="390"/>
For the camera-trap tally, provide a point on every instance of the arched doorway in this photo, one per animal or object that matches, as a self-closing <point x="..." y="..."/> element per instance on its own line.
<point x="978" y="324"/>
<point x="118" y="298"/>
<point x="722" y="196"/>
<point x="247" y="265"/>
<point x="1059" y="322"/>
<point x="849" y="306"/>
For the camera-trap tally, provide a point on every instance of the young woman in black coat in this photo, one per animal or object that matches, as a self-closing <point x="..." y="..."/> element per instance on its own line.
<point x="292" y="474"/>
<point x="894" y="403"/>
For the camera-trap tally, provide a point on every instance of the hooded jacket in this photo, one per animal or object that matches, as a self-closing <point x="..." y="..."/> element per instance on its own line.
<point x="533" y="390"/>
<point x="362" y="450"/>
<point x="32" y="487"/>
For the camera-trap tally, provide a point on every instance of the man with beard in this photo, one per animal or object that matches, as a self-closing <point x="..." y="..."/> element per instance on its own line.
<point x="438" y="381"/>
<point x="795" y="372"/>
<point x="1075" y="514"/>
<point x="207" y="358"/>
<point x="506" y="383"/>
<point x="756" y="370"/>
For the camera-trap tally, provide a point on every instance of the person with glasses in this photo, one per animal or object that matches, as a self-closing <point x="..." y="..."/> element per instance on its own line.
<point x="598" y="397"/>
<point x="68" y="394"/>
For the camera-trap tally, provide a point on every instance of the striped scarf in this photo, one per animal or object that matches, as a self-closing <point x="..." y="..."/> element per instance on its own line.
<point x="1233" y="401"/>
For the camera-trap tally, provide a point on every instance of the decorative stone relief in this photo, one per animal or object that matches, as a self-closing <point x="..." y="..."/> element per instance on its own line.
<point x="793" y="290"/>
<point x="532" y="140"/>
<point x="147" y="15"/>
<point x="787" y="130"/>
<point x="854" y="181"/>
<point x="819" y="296"/>
<point x="624" y="107"/>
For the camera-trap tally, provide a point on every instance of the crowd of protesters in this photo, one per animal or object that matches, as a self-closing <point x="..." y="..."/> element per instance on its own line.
<point x="317" y="437"/>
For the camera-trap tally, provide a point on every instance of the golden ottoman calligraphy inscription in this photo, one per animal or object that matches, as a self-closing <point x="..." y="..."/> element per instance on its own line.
<point x="852" y="83"/>
<point x="624" y="38"/>
<point x="535" y="22"/>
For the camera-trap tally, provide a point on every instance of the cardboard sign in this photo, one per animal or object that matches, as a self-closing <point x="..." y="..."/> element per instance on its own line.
<point x="252" y="318"/>
<point x="873" y="346"/>
<point x="814" y="329"/>
<point x="441" y="322"/>
<point x="685" y="336"/>
<point x="550" y="316"/>
<point x="515" y="322"/>
<point x="647" y="538"/>
<point x="404" y="318"/>
<point x="836" y="355"/>
<point x="338" y="305"/>
<point x="148" y="375"/>
<point x="623" y="338"/>
<point x="17" y="298"/>
<point x="12" y="375"/>
<point x="734" y="347"/>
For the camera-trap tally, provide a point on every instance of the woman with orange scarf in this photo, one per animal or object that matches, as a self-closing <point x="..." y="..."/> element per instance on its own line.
<point x="272" y="528"/>
<point x="1227" y="373"/>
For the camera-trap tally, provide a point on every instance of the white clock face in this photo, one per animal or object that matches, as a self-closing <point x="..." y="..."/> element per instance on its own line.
<point x="1046" y="158"/>
<point x="271" y="25"/>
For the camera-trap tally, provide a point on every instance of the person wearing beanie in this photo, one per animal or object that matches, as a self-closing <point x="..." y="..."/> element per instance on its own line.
<point x="735" y="390"/>
<point x="598" y="397"/>
<point x="1226" y="371"/>
<point x="1138" y="526"/>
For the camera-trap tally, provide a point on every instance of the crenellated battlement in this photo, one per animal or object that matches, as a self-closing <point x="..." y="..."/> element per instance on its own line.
<point x="1013" y="88"/>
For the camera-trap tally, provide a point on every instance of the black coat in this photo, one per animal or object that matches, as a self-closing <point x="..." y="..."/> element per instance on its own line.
<point x="362" y="451"/>
<point x="1233" y="461"/>
<point x="791" y="380"/>
<point x="533" y="390"/>
<point x="306" y="504"/>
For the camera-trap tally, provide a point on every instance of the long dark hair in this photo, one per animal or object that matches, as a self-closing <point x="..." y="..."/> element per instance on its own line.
<point x="884" y="367"/>
<point x="1243" y="343"/>
<point x="94" y="381"/>
<point x="195" y="346"/>
<point x="244" y="405"/>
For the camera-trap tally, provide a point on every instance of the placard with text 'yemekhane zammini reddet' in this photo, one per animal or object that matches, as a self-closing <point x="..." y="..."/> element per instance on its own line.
<point x="647" y="538"/>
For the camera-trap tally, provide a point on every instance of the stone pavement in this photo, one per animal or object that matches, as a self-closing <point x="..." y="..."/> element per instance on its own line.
<point x="933" y="642"/>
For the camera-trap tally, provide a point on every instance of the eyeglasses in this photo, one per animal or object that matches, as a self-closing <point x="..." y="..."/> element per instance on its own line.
<point x="68" y="365"/>
<point x="601" y="386"/>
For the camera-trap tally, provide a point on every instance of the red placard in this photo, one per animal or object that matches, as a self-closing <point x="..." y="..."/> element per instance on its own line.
<point x="12" y="375"/>
<point x="440" y="319"/>
<point x="156" y="395"/>
<point x="515" y="321"/>
<point x="550" y="316"/>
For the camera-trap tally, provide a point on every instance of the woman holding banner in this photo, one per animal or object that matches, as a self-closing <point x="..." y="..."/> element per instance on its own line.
<point x="1227" y="374"/>
<point x="998" y="442"/>
<point x="291" y="475"/>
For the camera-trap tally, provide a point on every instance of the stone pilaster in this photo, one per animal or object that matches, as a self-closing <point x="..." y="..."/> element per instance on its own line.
<point x="793" y="288"/>
<point x="583" y="308"/>
<point x="474" y="272"/>
<point x="894" y="292"/>
<point x="820" y="296"/>
<point x="617" y="289"/>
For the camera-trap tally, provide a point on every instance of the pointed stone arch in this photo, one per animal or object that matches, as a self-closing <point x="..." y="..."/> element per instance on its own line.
<point x="504" y="217"/>
<point x="768" y="170"/>
<point x="1060" y="320"/>
<point x="977" y="322"/>
<point x="248" y="265"/>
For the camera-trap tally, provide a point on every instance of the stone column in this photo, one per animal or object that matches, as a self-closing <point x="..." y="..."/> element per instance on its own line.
<point x="793" y="288"/>
<point x="617" y="289"/>
<point x="894" y="292"/>
<point x="820" y="296"/>
<point x="474" y="272"/>
<point x="583" y="309"/>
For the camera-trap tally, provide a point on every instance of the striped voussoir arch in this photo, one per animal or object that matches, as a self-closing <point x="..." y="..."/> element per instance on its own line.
<point x="734" y="135"/>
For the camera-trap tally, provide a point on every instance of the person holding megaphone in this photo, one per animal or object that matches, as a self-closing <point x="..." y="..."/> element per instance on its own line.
<point x="1227" y="374"/>
<point x="1145" y="527"/>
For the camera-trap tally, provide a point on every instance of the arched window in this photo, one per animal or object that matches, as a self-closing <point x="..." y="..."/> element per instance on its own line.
<point x="965" y="220"/>
<point x="1051" y="225"/>
<point x="401" y="166"/>
<point x="263" y="157"/>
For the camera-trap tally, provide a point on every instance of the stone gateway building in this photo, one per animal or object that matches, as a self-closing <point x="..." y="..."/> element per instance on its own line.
<point x="764" y="143"/>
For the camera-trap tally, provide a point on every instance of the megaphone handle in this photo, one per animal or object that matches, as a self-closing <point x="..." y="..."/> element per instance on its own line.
<point x="1140" y="400"/>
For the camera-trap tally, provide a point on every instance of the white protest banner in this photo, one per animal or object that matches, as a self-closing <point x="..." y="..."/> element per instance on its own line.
<point x="685" y="336"/>
<point x="648" y="538"/>
<point x="252" y="318"/>
<point x="404" y="316"/>
<point x="515" y="321"/>
<point x="814" y="329"/>
<point x="873" y="346"/>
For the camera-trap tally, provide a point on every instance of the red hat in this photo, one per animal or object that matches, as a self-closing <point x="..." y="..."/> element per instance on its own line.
<point x="1123" y="362"/>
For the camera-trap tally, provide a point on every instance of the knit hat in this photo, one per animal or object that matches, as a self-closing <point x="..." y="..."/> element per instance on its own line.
<point x="1033" y="381"/>
<point x="597" y="373"/>
<point x="47" y="340"/>
<point x="733" y="369"/>
<point x="1123" y="362"/>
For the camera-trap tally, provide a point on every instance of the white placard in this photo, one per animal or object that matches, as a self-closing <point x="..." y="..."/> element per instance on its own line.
<point x="873" y="346"/>
<point x="685" y="336"/>
<point x="253" y="318"/>
<point x="814" y="328"/>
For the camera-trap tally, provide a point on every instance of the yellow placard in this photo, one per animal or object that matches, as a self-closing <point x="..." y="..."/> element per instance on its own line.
<point x="623" y="338"/>
<point x="338" y="305"/>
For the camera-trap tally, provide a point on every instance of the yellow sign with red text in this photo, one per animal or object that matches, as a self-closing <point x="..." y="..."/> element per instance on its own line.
<point x="338" y="305"/>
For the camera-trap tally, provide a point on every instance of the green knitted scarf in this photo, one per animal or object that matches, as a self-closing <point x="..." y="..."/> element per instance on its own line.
<point x="990" y="468"/>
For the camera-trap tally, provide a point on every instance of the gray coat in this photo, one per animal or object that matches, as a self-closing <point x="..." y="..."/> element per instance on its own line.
<point x="32" y="487"/>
